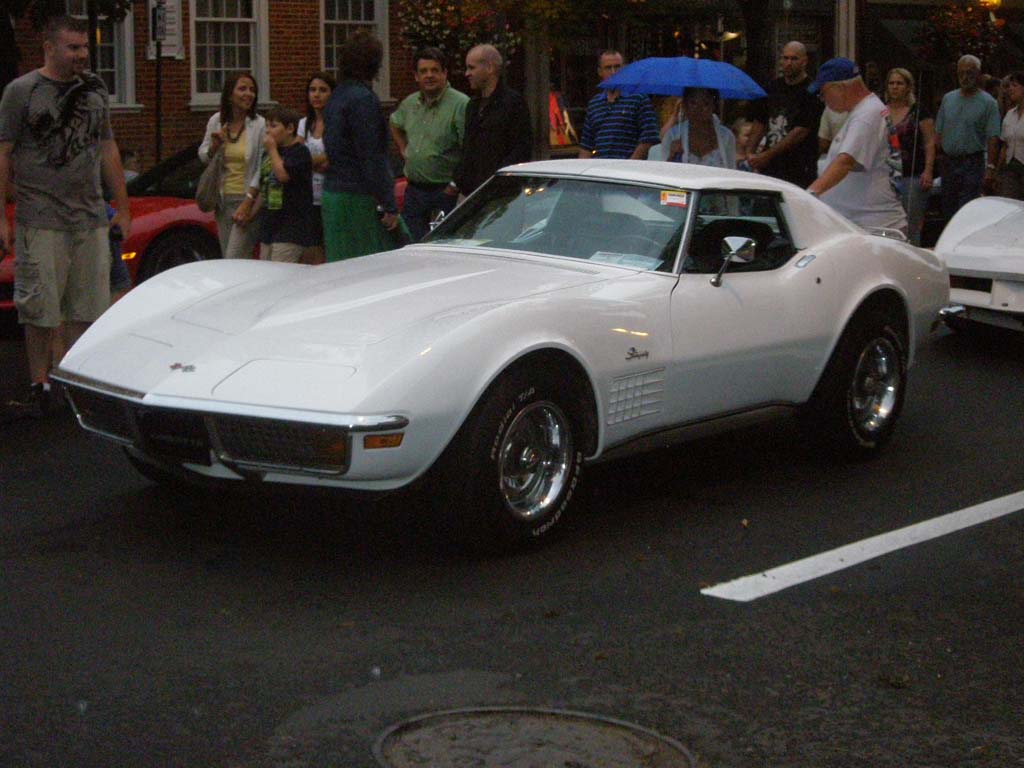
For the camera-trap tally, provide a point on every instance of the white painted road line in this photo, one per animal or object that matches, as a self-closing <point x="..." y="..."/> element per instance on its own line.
<point x="758" y="585"/>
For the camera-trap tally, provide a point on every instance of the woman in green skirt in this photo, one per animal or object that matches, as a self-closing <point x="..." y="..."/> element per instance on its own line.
<point x="359" y="210"/>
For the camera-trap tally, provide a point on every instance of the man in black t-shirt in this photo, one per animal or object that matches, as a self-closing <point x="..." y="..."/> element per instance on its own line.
<point x="498" y="129"/>
<point x="788" y="121"/>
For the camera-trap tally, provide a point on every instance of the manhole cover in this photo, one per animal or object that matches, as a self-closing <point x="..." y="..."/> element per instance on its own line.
<point x="525" y="738"/>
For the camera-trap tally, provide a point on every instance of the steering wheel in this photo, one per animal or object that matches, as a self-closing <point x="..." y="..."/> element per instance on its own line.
<point x="633" y="243"/>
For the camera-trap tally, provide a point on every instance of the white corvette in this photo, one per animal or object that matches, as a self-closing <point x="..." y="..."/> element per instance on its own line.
<point x="568" y="312"/>
<point x="983" y="249"/>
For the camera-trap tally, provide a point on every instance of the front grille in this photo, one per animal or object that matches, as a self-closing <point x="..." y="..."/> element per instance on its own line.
<point x="109" y="415"/>
<point x="188" y="437"/>
<point x="283" y="444"/>
<point x="175" y="435"/>
<point x="982" y="284"/>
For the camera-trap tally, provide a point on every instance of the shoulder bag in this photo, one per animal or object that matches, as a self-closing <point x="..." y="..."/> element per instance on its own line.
<point x="208" y="187"/>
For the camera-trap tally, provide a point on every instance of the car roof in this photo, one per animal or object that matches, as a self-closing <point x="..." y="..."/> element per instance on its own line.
<point x="810" y="220"/>
<point x="675" y="175"/>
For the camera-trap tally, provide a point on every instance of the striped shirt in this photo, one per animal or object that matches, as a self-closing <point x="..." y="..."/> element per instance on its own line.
<point x="615" y="128"/>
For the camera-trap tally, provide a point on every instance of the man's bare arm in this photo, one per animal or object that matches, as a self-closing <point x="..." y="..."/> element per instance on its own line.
<point x="835" y="173"/>
<point x="6" y="147"/>
<point x="641" y="151"/>
<point x="400" y="139"/>
<point x="787" y="143"/>
<point x="113" y="175"/>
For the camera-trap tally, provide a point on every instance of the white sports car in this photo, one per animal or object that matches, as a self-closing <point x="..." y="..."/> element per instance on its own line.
<point x="567" y="312"/>
<point x="983" y="248"/>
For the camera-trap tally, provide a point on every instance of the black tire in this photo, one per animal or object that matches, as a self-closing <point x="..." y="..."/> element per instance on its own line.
<point x="855" y="406"/>
<point x="507" y="477"/>
<point x="177" y="247"/>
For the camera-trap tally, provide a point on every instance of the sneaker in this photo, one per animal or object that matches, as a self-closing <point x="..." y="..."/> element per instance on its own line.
<point x="40" y="401"/>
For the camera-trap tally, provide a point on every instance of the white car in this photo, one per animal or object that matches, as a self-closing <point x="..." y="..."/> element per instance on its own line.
<point x="566" y="313"/>
<point x="983" y="249"/>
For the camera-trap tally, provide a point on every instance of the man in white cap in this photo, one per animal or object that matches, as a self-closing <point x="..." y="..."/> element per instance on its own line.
<point x="863" y="163"/>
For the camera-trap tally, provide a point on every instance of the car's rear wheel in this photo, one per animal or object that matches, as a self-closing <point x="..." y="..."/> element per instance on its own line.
<point x="509" y="474"/>
<point x="854" y="408"/>
<point x="175" y="248"/>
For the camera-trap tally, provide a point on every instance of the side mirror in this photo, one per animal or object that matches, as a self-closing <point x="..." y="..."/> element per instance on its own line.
<point x="739" y="249"/>
<point x="434" y="222"/>
<point x="736" y="248"/>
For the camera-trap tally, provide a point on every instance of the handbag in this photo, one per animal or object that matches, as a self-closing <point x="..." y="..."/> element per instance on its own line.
<point x="208" y="186"/>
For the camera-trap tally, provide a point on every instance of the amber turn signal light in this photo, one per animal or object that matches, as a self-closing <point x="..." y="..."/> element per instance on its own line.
<point x="392" y="440"/>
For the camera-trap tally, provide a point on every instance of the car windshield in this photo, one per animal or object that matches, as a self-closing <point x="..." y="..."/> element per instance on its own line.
<point x="611" y="223"/>
<point x="177" y="176"/>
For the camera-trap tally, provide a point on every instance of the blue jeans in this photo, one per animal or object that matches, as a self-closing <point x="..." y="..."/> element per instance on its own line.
<point x="420" y="205"/>
<point x="961" y="181"/>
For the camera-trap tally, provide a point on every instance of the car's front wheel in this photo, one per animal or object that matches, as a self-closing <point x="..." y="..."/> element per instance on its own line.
<point x="175" y="248"/>
<point x="856" y="404"/>
<point x="510" y="472"/>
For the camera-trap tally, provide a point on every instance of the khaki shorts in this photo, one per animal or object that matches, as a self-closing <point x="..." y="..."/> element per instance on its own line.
<point x="61" y="276"/>
<point x="281" y="252"/>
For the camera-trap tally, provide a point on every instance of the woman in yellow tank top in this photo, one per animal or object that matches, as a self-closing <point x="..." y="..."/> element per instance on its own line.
<point x="239" y="131"/>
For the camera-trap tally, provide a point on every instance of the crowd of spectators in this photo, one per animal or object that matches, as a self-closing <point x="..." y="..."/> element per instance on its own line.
<point x="319" y="186"/>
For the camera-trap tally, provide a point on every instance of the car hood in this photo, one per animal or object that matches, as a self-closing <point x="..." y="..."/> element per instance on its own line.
<point x="985" y="238"/>
<point x="324" y="321"/>
<point x="143" y="206"/>
<point x="364" y="301"/>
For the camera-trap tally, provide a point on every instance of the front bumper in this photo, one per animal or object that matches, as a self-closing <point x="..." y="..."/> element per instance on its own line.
<point x="204" y="440"/>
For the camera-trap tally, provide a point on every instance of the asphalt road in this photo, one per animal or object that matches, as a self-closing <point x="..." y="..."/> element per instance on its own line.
<point x="139" y="627"/>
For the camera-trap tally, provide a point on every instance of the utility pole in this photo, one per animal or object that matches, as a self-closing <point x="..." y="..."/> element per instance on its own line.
<point x="158" y="32"/>
<point x="537" y="60"/>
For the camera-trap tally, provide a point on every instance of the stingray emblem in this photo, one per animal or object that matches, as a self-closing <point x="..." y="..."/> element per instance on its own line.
<point x="183" y="368"/>
<point x="636" y="354"/>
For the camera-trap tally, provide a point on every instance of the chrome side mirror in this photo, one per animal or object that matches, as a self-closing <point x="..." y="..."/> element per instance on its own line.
<point x="736" y="248"/>
<point x="434" y="222"/>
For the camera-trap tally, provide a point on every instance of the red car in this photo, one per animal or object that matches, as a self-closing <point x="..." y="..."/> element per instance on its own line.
<point x="168" y="229"/>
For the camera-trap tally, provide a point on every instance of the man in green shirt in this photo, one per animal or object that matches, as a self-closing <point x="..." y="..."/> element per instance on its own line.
<point x="428" y="128"/>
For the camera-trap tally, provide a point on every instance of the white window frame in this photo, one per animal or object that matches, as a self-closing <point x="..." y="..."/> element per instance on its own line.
<point x="124" y="59"/>
<point x="382" y="85"/>
<point x="260" y="57"/>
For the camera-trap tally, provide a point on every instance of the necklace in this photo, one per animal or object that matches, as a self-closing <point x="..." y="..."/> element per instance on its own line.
<point x="237" y="136"/>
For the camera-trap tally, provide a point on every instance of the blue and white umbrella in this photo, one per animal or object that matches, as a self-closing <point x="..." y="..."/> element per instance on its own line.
<point x="669" y="76"/>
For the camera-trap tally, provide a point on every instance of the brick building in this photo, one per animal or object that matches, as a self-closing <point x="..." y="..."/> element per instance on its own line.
<point x="281" y="42"/>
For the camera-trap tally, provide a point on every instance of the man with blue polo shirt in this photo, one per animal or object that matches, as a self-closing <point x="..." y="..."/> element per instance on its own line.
<point x="967" y="126"/>
<point x="618" y="127"/>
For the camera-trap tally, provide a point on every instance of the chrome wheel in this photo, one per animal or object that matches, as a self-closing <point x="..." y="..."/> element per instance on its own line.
<point x="535" y="459"/>
<point x="877" y="380"/>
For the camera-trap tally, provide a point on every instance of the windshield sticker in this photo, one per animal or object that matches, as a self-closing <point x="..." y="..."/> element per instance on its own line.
<point x="674" y="198"/>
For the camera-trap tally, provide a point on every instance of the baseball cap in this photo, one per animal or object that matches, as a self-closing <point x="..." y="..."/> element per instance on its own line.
<point x="834" y="71"/>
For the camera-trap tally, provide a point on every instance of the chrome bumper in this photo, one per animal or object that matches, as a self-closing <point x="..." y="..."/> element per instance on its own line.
<point x="244" y="444"/>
